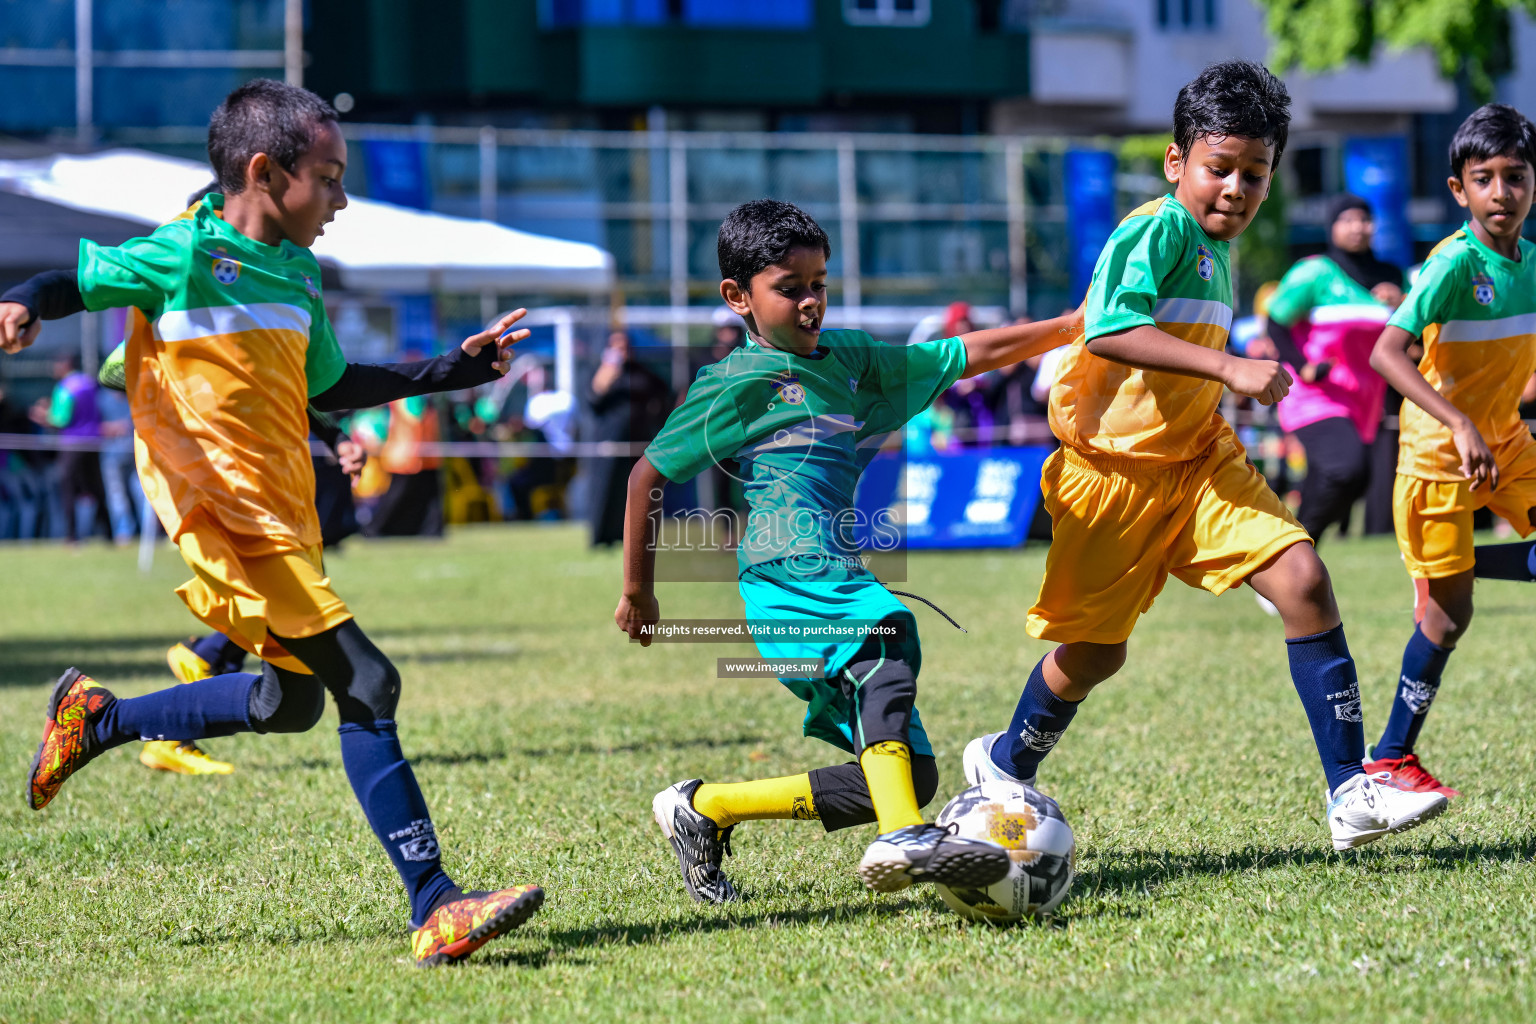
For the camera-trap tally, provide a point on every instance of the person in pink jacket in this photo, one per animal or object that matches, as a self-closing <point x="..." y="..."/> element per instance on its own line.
<point x="1324" y="319"/>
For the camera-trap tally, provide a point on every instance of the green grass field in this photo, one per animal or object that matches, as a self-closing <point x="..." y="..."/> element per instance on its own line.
<point x="1207" y="889"/>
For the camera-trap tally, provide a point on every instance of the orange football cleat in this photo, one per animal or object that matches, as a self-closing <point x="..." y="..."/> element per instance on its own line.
<point x="458" y="928"/>
<point x="69" y="742"/>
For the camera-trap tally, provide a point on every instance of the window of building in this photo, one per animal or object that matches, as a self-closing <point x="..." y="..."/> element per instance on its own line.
<point x="899" y="13"/>
<point x="1187" y="15"/>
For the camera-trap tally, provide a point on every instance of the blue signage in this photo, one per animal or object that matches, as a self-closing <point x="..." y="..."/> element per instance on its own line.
<point x="1376" y="170"/>
<point x="1089" y="177"/>
<point x="982" y="498"/>
<point x="397" y="172"/>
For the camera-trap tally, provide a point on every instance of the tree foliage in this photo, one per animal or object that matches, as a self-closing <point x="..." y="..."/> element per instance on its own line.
<point x="1467" y="37"/>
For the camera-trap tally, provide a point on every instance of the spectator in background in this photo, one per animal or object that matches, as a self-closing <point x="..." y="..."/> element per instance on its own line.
<point x="73" y="411"/>
<point x="629" y="402"/>
<point x="119" y="478"/>
<point x="1324" y="319"/>
<point x="1018" y="416"/>
<point x="412" y="506"/>
<point x="23" y="489"/>
<point x="547" y="417"/>
<point x="967" y="400"/>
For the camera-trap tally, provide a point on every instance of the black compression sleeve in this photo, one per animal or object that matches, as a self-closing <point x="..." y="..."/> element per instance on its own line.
<point x="364" y="385"/>
<point x="51" y="295"/>
<point x="325" y="428"/>
<point x="1285" y="344"/>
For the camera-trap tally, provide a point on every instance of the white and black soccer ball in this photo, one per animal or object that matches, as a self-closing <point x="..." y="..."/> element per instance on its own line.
<point x="1029" y="825"/>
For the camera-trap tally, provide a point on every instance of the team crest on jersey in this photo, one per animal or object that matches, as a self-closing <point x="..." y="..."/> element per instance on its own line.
<point x="225" y="270"/>
<point x="853" y="384"/>
<point x="789" y="388"/>
<point x="1205" y="262"/>
<point x="309" y="286"/>
<point x="1482" y="289"/>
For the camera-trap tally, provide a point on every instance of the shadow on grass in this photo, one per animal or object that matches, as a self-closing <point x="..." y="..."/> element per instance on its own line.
<point x="581" y="750"/>
<point x="567" y="944"/>
<point x="1139" y="871"/>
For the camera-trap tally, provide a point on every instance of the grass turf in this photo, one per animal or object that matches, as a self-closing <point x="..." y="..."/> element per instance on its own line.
<point x="1207" y="889"/>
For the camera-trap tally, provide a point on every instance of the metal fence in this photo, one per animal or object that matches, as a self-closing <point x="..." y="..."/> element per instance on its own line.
<point x="913" y="219"/>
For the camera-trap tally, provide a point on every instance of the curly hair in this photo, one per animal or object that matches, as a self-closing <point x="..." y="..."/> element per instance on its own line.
<point x="1233" y="98"/>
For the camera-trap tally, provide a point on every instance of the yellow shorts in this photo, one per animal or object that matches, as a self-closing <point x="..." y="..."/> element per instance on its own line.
<point x="253" y="596"/>
<point x="1434" y="517"/>
<point x="1121" y="527"/>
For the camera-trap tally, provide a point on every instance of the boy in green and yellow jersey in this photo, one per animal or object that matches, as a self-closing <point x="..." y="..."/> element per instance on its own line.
<point x="238" y="345"/>
<point x="1151" y="482"/>
<point x="1463" y="445"/>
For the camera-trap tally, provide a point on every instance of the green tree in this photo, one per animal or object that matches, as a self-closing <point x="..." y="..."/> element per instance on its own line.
<point x="1468" y="37"/>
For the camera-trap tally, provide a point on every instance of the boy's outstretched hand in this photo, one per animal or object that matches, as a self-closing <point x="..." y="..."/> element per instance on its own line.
<point x="13" y="336"/>
<point x="502" y="336"/>
<point x="635" y="612"/>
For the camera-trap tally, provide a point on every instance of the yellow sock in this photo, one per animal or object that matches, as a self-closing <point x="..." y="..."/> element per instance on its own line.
<point x="729" y="802"/>
<point x="888" y="771"/>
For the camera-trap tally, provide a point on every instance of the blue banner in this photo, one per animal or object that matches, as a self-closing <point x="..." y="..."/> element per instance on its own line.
<point x="1376" y="170"/>
<point x="1089" y="177"/>
<point x="397" y="172"/>
<point x="983" y="498"/>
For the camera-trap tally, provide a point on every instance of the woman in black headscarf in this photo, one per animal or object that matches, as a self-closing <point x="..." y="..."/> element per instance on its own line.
<point x="1324" y="319"/>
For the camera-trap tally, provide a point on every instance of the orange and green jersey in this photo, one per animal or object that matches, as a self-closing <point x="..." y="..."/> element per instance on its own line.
<point x="1158" y="268"/>
<point x="228" y="339"/>
<point x="1476" y="312"/>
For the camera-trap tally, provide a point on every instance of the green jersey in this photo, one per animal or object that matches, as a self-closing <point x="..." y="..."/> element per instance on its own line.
<point x="801" y="429"/>
<point x="1476" y="311"/>
<point x="1158" y="268"/>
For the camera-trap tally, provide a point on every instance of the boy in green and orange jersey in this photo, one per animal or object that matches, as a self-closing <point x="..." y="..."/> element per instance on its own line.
<point x="1463" y="445"/>
<point x="1151" y="482"/>
<point x="238" y="345"/>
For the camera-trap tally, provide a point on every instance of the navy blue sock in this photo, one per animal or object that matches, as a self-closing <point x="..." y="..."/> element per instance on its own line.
<point x="216" y="706"/>
<point x="392" y="802"/>
<point x="1423" y="661"/>
<point x="1325" y="679"/>
<point x="1038" y="723"/>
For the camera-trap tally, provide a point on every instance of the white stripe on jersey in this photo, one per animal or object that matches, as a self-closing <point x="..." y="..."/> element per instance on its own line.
<point x="1488" y="330"/>
<point x="191" y="324"/>
<point x="1365" y="312"/>
<point x="804" y="434"/>
<point x="1193" y="311"/>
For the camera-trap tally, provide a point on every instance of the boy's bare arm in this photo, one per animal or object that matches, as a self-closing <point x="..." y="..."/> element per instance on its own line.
<point x="637" y="604"/>
<point x="1004" y="346"/>
<point x="1147" y="348"/>
<point x="1390" y="359"/>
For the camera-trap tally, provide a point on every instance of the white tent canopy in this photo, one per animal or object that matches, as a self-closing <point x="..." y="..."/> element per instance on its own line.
<point x="376" y="246"/>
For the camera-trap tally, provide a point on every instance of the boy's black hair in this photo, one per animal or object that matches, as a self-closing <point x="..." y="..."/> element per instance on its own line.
<point x="1493" y="129"/>
<point x="263" y="116"/>
<point x="1233" y="98"/>
<point x="756" y="235"/>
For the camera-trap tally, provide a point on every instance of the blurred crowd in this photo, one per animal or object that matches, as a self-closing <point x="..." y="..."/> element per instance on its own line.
<point x="1332" y="442"/>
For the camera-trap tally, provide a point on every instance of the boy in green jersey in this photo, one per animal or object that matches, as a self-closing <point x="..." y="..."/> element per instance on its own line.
<point x="1463" y="445"/>
<point x="1150" y="480"/>
<point x="802" y="411"/>
<point x="238" y="346"/>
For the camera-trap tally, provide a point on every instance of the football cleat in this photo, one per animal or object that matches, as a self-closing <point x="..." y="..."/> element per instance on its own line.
<point x="1366" y="808"/>
<point x="1406" y="773"/>
<point x="184" y="758"/>
<point x="459" y="927"/>
<point x="979" y="766"/>
<point x="929" y="853"/>
<point x="186" y="665"/>
<point x="69" y="741"/>
<point x="699" y="843"/>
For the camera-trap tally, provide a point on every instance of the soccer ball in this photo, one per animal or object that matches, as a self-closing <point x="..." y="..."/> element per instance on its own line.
<point x="1029" y="825"/>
